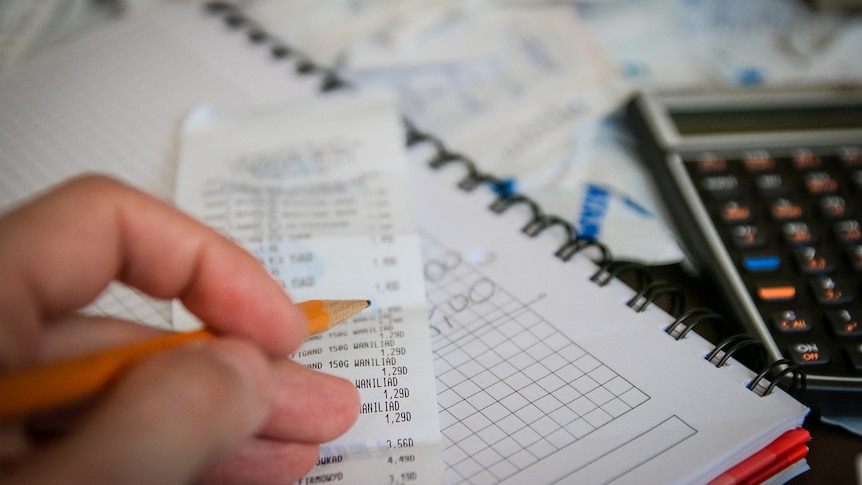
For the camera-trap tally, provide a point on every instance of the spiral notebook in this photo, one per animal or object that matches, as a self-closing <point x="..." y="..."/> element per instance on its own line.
<point x="549" y="369"/>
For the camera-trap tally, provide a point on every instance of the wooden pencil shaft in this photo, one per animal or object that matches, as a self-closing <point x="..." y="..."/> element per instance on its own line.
<point x="41" y="388"/>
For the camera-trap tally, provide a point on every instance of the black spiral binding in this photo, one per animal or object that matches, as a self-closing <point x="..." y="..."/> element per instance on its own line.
<point x="686" y="322"/>
<point x="647" y="289"/>
<point x="727" y="347"/>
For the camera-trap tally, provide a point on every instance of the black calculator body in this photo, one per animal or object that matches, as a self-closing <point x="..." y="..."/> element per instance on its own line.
<point x="763" y="189"/>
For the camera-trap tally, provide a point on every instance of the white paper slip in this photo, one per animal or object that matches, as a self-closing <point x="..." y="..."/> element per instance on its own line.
<point x="317" y="190"/>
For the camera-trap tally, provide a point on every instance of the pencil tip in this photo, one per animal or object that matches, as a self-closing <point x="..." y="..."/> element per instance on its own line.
<point x="367" y="303"/>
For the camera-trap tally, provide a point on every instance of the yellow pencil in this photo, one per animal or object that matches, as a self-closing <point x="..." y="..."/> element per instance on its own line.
<point x="41" y="388"/>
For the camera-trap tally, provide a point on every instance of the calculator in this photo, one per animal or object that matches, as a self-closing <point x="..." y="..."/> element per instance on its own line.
<point x="763" y="189"/>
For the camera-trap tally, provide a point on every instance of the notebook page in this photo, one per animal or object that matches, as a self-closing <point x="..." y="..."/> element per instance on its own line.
<point x="112" y="102"/>
<point x="543" y="376"/>
<point x="317" y="191"/>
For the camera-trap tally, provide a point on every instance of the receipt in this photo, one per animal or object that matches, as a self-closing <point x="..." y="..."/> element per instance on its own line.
<point x="317" y="191"/>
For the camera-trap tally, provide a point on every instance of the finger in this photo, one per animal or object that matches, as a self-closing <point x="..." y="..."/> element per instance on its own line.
<point x="76" y="335"/>
<point x="72" y="337"/>
<point x="264" y="462"/>
<point x="13" y="444"/>
<point x="60" y="251"/>
<point x="166" y="419"/>
<point x="326" y="405"/>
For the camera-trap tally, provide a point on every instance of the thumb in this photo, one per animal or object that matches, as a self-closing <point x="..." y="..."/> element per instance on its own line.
<point x="165" y="420"/>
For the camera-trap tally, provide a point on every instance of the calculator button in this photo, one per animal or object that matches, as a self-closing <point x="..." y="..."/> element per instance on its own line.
<point x="812" y="262"/>
<point x="854" y="351"/>
<point x="770" y="185"/>
<point x="820" y="183"/>
<point x="845" y="323"/>
<point x="805" y="160"/>
<point x="848" y="232"/>
<point x="761" y="263"/>
<point x="828" y="291"/>
<point x="776" y="292"/>
<point x="721" y="187"/>
<point x="709" y="163"/>
<point x="835" y="207"/>
<point x="734" y="212"/>
<point x="785" y="210"/>
<point x="851" y="157"/>
<point x="759" y="161"/>
<point x="790" y="321"/>
<point x="747" y="237"/>
<point x="808" y="353"/>
<point x="798" y="234"/>
<point x="854" y="254"/>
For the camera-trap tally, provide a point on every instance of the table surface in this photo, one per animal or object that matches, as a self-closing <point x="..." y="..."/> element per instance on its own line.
<point x="832" y="454"/>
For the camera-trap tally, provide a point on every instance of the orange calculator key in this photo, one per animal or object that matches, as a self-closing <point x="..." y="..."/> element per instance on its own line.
<point x="776" y="292"/>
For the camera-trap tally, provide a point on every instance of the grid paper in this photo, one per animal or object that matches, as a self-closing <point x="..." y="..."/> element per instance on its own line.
<point x="125" y="302"/>
<point x="512" y="389"/>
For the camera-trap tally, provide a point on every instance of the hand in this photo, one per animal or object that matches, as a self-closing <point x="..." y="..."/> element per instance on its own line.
<point x="229" y="410"/>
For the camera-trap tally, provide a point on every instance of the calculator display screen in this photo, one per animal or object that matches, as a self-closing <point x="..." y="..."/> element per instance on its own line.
<point x="766" y="119"/>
